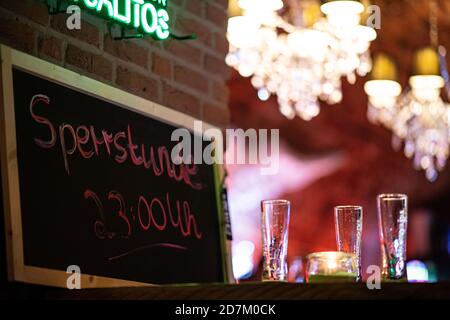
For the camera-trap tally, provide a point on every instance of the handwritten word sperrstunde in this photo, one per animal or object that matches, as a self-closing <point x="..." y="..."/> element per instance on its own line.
<point x="90" y="142"/>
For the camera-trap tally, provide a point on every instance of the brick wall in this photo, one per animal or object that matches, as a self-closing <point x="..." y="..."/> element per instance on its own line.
<point x="188" y="76"/>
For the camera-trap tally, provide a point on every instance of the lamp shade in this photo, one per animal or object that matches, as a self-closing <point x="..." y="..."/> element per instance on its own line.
<point x="366" y="13"/>
<point x="234" y="9"/>
<point x="383" y="88"/>
<point x="426" y="62"/>
<point x="343" y="13"/>
<point x="342" y="6"/>
<point x="311" y="12"/>
<point x="384" y="68"/>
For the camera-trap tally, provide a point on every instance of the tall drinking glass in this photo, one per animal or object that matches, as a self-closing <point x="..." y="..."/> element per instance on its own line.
<point x="393" y="221"/>
<point x="348" y="223"/>
<point x="275" y="224"/>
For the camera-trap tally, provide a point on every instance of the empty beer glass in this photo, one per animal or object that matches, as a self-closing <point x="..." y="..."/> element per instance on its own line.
<point x="348" y="223"/>
<point x="393" y="221"/>
<point x="275" y="225"/>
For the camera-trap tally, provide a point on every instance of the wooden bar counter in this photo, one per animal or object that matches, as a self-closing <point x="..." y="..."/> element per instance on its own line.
<point x="250" y="291"/>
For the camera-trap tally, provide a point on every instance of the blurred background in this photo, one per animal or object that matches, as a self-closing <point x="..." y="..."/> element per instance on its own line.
<point x="342" y="155"/>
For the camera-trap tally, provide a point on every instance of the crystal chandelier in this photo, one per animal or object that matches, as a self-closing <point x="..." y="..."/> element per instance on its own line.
<point x="419" y="118"/>
<point x="299" y="64"/>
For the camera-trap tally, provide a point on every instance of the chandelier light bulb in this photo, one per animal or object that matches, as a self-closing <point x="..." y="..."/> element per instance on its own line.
<point x="366" y="34"/>
<point x="427" y="88"/>
<point x="343" y="13"/>
<point x="260" y="5"/>
<point x="383" y="93"/>
<point x="242" y="31"/>
<point x="383" y="90"/>
<point x="263" y="94"/>
<point x="343" y="7"/>
<point x="299" y="64"/>
<point x="309" y="43"/>
<point x="421" y="121"/>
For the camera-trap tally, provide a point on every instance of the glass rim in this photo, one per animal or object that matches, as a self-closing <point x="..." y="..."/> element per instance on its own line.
<point x="392" y="196"/>
<point x="337" y="254"/>
<point x="275" y="201"/>
<point x="348" y="207"/>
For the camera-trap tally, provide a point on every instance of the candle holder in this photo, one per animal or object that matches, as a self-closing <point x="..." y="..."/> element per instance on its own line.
<point x="331" y="267"/>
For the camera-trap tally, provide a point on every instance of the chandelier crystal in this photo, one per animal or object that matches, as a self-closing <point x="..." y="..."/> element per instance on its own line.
<point x="419" y="118"/>
<point x="383" y="91"/>
<point x="422" y="123"/>
<point x="299" y="65"/>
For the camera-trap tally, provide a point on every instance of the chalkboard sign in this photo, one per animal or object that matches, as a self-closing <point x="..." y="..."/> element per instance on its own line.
<point x="89" y="182"/>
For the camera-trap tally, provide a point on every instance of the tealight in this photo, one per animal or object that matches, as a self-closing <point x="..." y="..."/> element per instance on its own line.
<point x="331" y="267"/>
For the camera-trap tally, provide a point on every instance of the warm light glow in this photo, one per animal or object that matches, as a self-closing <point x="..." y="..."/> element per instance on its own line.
<point x="427" y="88"/>
<point x="383" y="93"/>
<point x="299" y="64"/>
<point x="342" y="7"/>
<point x="263" y="94"/>
<point x="309" y="43"/>
<point x="261" y="5"/>
<point x="383" y="87"/>
<point x="366" y="33"/>
<point x="234" y="9"/>
<point x="343" y="13"/>
<point x="421" y="121"/>
<point x="426" y="82"/>
<point x="419" y="118"/>
<point x="331" y="262"/>
<point x="242" y="31"/>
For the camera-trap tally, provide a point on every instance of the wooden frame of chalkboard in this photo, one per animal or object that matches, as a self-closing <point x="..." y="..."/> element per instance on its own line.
<point x="18" y="269"/>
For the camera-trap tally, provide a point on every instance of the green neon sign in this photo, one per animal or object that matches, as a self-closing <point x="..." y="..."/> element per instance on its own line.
<point x="150" y="17"/>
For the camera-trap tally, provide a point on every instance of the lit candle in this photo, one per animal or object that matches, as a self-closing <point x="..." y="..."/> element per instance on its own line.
<point x="331" y="266"/>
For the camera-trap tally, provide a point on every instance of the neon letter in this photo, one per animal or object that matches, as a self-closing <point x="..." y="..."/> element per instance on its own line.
<point x="163" y="28"/>
<point x="149" y="28"/>
<point x="126" y="18"/>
